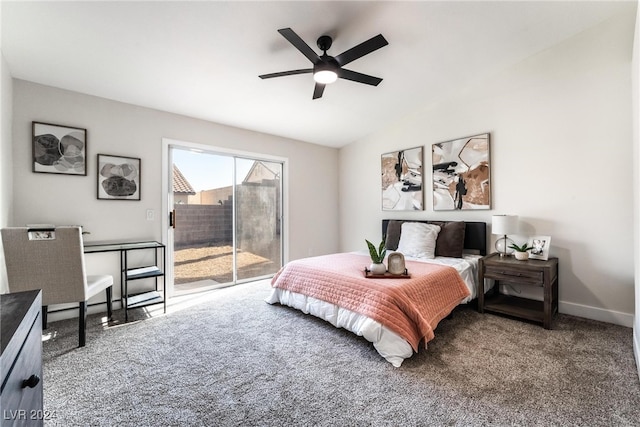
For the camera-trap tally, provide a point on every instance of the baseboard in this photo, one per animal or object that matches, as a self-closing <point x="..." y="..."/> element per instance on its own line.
<point x="593" y="313"/>
<point x="636" y="346"/>
<point x="70" y="312"/>
<point x="579" y="310"/>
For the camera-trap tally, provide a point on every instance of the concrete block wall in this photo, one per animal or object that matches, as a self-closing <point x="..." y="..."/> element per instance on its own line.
<point x="203" y="224"/>
<point x="258" y="220"/>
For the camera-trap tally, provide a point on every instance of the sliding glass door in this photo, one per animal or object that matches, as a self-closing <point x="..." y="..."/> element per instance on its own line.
<point x="257" y="196"/>
<point x="226" y="219"/>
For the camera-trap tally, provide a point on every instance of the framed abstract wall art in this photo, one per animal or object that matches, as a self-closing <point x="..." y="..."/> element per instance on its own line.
<point x="118" y="177"/>
<point x="461" y="174"/>
<point x="59" y="149"/>
<point x="402" y="180"/>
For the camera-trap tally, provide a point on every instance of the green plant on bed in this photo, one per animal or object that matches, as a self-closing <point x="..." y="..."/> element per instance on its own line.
<point x="522" y="248"/>
<point x="377" y="254"/>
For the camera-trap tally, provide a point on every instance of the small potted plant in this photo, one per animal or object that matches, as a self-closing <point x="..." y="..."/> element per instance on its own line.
<point x="521" y="252"/>
<point x="377" y="257"/>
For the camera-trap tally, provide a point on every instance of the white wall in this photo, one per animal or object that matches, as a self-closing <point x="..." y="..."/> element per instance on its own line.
<point x="6" y="157"/>
<point x="561" y="159"/>
<point x="635" y="78"/>
<point x="127" y="130"/>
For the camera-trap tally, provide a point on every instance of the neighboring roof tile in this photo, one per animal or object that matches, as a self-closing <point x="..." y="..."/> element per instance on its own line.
<point x="180" y="183"/>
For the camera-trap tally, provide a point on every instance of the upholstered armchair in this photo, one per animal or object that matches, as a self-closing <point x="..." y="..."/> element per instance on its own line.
<point x="53" y="260"/>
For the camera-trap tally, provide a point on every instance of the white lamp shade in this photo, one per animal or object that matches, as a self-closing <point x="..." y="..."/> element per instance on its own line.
<point x="504" y="224"/>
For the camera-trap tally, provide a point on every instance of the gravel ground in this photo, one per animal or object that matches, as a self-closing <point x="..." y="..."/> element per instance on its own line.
<point x="215" y="263"/>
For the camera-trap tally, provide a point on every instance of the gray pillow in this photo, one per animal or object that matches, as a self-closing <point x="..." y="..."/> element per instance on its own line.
<point x="394" y="229"/>
<point x="450" y="241"/>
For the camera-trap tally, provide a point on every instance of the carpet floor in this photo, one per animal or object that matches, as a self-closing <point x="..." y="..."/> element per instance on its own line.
<point x="227" y="358"/>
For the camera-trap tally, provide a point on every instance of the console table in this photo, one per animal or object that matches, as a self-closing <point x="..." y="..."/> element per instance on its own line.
<point x="129" y="273"/>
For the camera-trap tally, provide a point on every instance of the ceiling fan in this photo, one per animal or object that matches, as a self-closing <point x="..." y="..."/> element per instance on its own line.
<point x="327" y="69"/>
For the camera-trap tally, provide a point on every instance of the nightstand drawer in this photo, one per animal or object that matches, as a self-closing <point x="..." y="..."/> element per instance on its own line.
<point x="520" y="275"/>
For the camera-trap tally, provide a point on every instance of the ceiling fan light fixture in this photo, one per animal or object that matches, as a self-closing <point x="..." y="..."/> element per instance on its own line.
<point x="325" y="76"/>
<point x="326" y="68"/>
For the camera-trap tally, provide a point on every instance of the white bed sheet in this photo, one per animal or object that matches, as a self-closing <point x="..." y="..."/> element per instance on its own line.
<point x="389" y="344"/>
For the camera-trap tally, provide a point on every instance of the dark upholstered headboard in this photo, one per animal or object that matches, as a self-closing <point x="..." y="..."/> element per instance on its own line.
<point x="475" y="234"/>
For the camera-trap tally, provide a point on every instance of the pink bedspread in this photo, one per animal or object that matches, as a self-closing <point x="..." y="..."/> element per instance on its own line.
<point x="412" y="308"/>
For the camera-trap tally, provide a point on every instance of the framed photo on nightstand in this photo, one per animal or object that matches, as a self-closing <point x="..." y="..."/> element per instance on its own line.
<point x="540" y="245"/>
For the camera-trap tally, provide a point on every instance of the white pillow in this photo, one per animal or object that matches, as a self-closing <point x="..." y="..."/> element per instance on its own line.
<point x="418" y="240"/>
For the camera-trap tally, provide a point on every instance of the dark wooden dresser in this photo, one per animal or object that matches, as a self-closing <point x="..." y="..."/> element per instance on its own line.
<point x="21" y="359"/>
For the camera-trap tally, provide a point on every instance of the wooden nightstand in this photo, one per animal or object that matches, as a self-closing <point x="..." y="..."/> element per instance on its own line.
<point x="532" y="272"/>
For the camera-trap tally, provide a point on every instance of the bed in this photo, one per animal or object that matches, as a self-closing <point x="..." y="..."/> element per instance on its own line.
<point x="397" y="315"/>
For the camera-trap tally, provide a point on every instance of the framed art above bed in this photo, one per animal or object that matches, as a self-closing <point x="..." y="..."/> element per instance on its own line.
<point x="461" y="174"/>
<point x="402" y="180"/>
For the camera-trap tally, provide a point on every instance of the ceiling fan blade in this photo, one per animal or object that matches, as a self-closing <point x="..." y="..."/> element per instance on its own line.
<point x="359" y="77"/>
<point x="318" y="90"/>
<point x="299" y="44"/>
<point x="374" y="43"/>
<point x="286" y="73"/>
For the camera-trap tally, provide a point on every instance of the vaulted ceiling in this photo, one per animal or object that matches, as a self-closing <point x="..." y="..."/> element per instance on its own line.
<point x="202" y="59"/>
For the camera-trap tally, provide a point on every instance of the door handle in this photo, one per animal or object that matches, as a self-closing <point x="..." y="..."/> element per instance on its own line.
<point x="172" y="219"/>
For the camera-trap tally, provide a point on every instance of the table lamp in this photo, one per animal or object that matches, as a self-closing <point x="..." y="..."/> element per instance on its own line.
<point x="503" y="225"/>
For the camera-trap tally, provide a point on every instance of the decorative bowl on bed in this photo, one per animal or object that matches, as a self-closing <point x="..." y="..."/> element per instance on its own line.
<point x="377" y="268"/>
